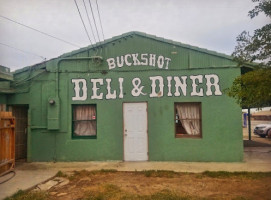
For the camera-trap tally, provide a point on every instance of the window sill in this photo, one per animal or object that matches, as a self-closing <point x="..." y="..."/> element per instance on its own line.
<point x="84" y="137"/>
<point x="187" y="136"/>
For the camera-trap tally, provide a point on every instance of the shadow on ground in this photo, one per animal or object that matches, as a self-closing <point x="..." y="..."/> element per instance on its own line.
<point x="252" y="143"/>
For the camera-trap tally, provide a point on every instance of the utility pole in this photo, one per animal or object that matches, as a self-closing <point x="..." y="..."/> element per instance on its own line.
<point x="249" y="125"/>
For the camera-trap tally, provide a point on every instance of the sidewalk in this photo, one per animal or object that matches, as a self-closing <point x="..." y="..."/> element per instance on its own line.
<point x="256" y="159"/>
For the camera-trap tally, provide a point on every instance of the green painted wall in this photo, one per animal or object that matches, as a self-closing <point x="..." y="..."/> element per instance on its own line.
<point x="3" y="98"/>
<point x="221" y="117"/>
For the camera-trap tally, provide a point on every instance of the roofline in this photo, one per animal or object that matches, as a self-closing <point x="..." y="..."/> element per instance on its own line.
<point x="129" y="34"/>
<point x="160" y="39"/>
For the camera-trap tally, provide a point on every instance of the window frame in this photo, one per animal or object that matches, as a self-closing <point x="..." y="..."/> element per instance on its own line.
<point x="199" y="136"/>
<point x="83" y="136"/>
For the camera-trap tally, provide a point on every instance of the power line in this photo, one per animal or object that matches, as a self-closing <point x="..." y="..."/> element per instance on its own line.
<point x="23" y="51"/>
<point x="39" y="31"/>
<point x="89" y="21"/>
<point x="83" y="21"/>
<point x="94" y="20"/>
<point x="100" y="18"/>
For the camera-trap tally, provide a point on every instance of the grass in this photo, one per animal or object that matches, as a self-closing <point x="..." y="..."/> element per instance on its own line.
<point x="23" y="195"/>
<point x="82" y="173"/>
<point x="171" y="174"/>
<point x="159" y="173"/>
<point x="107" y="191"/>
<point x="102" y="171"/>
<point x="167" y="195"/>
<point x="224" y="174"/>
<point x="61" y="174"/>
<point x="113" y="192"/>
<point x="108" y="170"/>
<point x="240" y="198"/>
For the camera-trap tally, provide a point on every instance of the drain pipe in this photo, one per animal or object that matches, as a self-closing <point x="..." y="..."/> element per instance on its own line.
<point x="52" y="102"/>
<point x="95" y="58"/>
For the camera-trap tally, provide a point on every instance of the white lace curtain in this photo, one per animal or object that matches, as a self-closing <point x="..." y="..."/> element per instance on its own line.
<point x="84" y="117"/>
<point x="189" y="115"/>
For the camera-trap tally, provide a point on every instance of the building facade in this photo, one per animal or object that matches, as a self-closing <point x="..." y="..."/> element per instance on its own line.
<point x="135" y="97"/>
<point x="5" y="79"/>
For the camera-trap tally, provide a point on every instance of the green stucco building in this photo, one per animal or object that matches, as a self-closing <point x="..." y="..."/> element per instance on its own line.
<point x="134" y="97"/>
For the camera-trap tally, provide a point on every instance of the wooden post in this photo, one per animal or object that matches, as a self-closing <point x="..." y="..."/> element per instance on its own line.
<point x="7" y="142"/>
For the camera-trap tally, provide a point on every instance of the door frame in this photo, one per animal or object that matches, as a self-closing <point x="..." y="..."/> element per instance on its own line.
<point x="28" y="129"/>
<point x="147" y="131"/>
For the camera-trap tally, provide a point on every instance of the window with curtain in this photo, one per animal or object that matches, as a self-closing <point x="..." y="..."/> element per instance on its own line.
<point x="84" y="121"/>
<point x="188" y="119"/>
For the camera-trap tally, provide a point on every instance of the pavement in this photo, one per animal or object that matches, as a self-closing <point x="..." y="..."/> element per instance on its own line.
<point x="28" y="175"/>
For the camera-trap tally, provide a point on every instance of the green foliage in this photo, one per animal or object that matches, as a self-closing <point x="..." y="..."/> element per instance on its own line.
<point x="252" y="89"/>
<point x="256" y="47"/>
<point x="263" y="6"/>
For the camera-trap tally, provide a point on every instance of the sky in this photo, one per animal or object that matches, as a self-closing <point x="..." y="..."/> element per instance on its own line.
<point x="210" y="24"/>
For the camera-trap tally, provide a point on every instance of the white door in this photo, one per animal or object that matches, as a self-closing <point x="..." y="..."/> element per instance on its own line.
<point x="135" y="131"/>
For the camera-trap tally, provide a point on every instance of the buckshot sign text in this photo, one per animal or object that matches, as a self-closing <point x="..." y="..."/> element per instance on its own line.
<point x="101" y="88"/>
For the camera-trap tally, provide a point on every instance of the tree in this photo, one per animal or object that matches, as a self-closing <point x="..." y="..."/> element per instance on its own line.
<point x="258" y="46"/>
<point x="253" y="89"/>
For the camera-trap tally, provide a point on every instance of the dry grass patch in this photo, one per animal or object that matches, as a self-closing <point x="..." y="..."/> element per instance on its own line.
<point x="108" y="184"/>
<point x="27" y="195"/>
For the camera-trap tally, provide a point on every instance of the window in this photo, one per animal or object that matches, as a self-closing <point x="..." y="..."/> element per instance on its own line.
<point x="187" y="119"/>
<point x="84" y="121"/>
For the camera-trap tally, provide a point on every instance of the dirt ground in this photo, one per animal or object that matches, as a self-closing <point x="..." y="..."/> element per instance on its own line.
<point x="111" y="184"/>
<point x="156" y="185"/>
